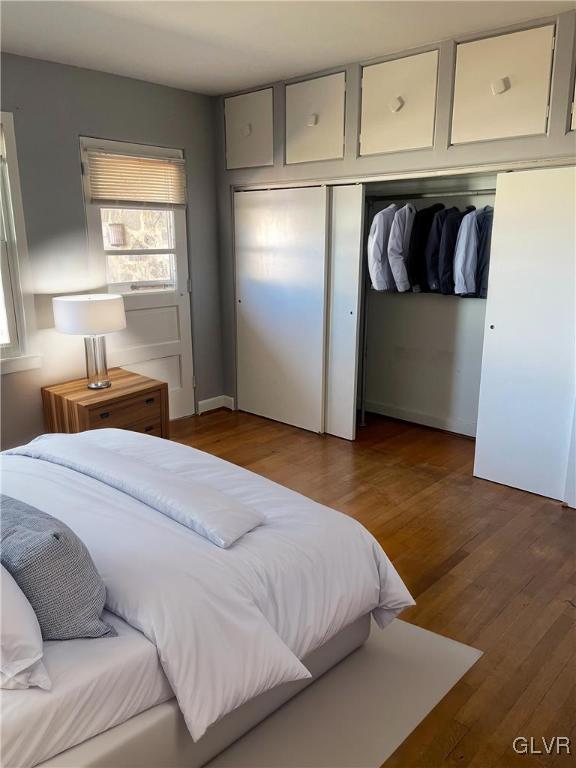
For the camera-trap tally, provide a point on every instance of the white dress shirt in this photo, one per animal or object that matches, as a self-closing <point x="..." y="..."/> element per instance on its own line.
<point x="378" y="266"/>
<point x="398" y="245"/>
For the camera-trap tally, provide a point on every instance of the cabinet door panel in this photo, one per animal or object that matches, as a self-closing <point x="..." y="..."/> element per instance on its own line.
<point x="398" y="104"/>
<point x="249" y="129"/>
<point x="315" y="119"/>
<point x="528" y="382"/>
<point x="503" y="86"/>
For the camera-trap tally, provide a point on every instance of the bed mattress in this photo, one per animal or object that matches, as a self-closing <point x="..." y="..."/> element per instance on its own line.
<point x="96" y="684"/>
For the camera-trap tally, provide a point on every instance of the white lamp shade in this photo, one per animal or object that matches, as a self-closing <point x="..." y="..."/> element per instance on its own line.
<point x="89" y="315"/>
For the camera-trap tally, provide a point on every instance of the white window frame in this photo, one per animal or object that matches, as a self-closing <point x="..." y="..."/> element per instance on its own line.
<point x="16" y="277"/>
<point x="94" y="222"/>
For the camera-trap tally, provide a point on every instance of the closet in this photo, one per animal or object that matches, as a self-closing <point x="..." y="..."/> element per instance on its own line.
<point x="423" y="351"/>
<point x="315" y="342"/>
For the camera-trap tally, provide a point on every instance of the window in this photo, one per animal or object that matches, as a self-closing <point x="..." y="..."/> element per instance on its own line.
<point x="13" y="249"/>
<point x="136" y="215"/>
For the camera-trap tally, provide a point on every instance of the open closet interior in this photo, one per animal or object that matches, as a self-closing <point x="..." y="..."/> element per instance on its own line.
<point x="425" y="298"/>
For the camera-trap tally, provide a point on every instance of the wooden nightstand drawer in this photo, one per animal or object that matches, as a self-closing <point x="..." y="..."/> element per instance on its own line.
<point x="148" y="428"/>
<point x="133" y="402"/>
<point x="123" y="414"/>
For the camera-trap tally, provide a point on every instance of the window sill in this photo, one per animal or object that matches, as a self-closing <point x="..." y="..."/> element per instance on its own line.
<point x="21" y="363"/>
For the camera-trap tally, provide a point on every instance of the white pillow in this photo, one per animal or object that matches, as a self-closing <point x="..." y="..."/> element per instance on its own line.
<point x="21" y="646"/>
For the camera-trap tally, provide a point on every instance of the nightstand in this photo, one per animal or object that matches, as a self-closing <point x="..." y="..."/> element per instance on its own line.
<point x="132" y="402"/>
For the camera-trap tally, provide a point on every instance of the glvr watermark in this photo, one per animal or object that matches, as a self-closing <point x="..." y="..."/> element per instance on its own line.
<point x="555" y="745"/>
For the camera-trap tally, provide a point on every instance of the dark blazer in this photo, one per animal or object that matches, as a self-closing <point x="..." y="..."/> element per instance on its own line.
<point x="447" y="247"/>
<point x="433" y="248"/>
<point x="484" y="220"/>
<point x="417" y="272"/>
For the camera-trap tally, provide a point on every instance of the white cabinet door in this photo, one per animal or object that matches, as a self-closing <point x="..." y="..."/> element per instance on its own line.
<point x="249" y="129"/>
<point x="315" y="119"/>
<point x="399" y="104"/>
<point x="280" y="242"/>
<point x="503" y="86"/>
<point x="347" y="219"/>
<point x="528" y="383"/>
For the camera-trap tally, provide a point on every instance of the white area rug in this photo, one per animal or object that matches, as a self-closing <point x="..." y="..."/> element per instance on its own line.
<point x="358" y="713"/>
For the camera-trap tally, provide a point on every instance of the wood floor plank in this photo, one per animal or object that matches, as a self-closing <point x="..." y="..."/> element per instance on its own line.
<point x="489" y="565"/>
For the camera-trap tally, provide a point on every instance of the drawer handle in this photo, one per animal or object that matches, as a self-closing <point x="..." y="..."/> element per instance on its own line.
<point x="149" y="401"/>
<point x="105" y="415"/>
<point x="148" y="429"/>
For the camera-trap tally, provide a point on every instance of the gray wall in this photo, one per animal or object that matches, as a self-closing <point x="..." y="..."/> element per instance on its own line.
<point x="559" y="143"/>
<point x="53" y="105"/>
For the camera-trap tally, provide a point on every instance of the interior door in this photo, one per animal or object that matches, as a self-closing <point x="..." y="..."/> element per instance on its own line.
<point x="528" y="381"/>
<point x="344" y="282"/>
<point x="157" y="341"/>
<point x="280" y="243"/>
<point x="141" y="251"/>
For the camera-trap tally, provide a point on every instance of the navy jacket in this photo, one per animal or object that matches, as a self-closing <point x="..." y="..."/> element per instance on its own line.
<point x="484" y="219"/>
<point x="417" y="272"/>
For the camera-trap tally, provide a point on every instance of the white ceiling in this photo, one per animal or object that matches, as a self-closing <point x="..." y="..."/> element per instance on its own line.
<point x="219" y="47"/>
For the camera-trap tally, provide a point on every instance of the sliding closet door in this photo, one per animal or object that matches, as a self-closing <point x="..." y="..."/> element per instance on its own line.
<point x="346" y="228"/>
<point x="280" y="242"/>
<point x="527" y="388"/>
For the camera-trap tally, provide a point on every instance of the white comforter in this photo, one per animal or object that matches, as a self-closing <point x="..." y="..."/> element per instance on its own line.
<point x="228" y="623"/>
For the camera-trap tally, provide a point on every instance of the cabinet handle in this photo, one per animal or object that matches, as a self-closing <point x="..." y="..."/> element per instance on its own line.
<point x="149" y="401"/>
<point x="148" y="429"/>
<point x="105" y="415"/>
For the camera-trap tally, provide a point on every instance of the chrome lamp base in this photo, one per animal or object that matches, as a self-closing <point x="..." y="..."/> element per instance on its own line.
<point x="96" y="366"/>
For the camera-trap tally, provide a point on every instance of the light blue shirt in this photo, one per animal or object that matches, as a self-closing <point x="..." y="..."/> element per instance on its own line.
<point x="378" y="265"/>
<point x="466" y="254"/>
<point x="398" y="245"/>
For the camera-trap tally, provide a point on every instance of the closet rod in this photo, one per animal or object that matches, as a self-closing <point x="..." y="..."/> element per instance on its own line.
<point x="420" y="195"/>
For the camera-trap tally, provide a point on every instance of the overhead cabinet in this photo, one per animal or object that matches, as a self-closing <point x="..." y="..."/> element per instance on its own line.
<point x="399" y="104"/>
<point x="315" y="119"/>
<point x="502" y="86"/>
<point x="249" y="130"/>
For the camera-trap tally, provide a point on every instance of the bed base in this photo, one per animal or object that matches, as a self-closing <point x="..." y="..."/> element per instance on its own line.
<point x="159" y="737"/>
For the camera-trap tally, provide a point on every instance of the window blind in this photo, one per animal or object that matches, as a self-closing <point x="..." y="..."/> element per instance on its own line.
<point x="136" y="179"/>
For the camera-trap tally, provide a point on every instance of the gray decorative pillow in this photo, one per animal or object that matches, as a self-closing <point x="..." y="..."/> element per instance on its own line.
<point x="54" y="570"/>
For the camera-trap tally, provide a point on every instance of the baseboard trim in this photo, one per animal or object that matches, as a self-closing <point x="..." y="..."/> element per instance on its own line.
<point x="212" y="403"/>
<point x="459" y="426"/>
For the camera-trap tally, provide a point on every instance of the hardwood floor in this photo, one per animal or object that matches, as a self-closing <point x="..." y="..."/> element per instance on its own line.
<point x="489" y="566"/>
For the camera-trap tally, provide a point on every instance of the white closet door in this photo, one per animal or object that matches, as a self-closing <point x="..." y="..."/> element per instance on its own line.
<point x="528" y="382"/>
<point x="347" y="218"/>
<point x="280" y="240"/>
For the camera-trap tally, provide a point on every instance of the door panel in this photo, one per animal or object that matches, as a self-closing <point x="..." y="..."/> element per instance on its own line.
<point x="280" y="240"/>
<point x="347" y="217"/>
<point x="157" y="341"/>
<point x="528" y="382"/>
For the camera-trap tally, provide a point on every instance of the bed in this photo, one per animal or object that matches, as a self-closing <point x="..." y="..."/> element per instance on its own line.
<point x="216" y="627"/>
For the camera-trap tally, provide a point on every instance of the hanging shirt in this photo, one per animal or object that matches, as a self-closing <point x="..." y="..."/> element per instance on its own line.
<point x="484" y="219"/>
<point x="433" y="248"/>
<point x="398" y="245"/>
<point x="417" y="249"/>
<point x="447" y="248"/>
<point x="466" y="256"/>
<point x="378" y="265"/>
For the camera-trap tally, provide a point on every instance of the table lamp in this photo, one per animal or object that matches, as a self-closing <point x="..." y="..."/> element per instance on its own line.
<point x="92" y="316"/>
